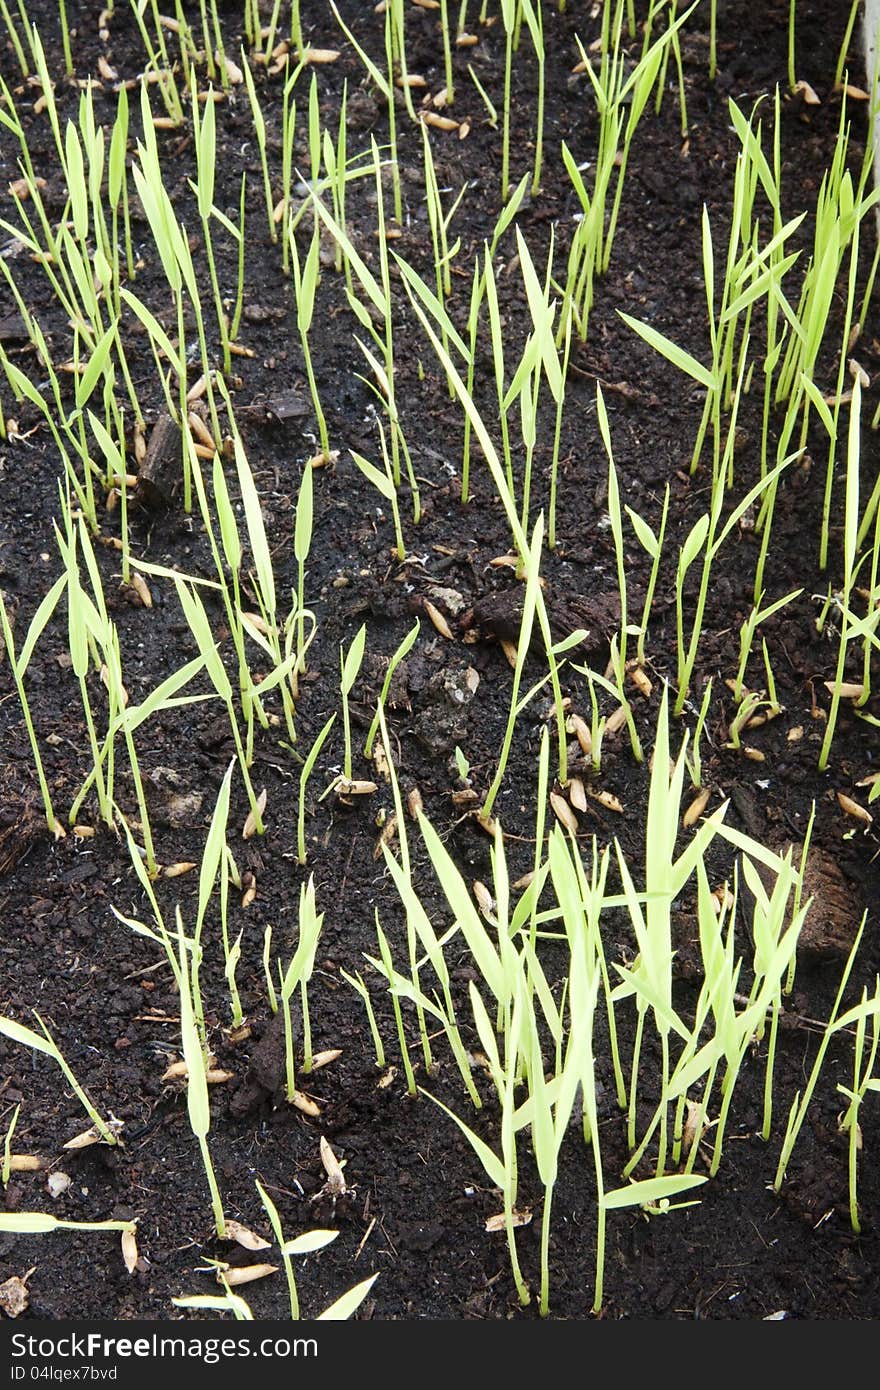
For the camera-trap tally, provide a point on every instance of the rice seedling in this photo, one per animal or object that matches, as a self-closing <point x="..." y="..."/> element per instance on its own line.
<point x="593" y="241"/>
<point x="298" y="973"/>
<point x="18" y="664"/>
<point x="38" y="1223"/>
<point x="197" y="1100"/>
<point x="747" y="632"/>
<point x="850" y="533"/>
<point x="305" y="773"/>
<point x="305" y="281"/>
<point x="394" y="661"/>
<point x="357" y="983"/>
<point x="836" y="1023"/>
<point x="863" y="1080"/>
<point x="385" y="85"/>
<point x="350" y="666"/>
<point x="43" y="1042"/>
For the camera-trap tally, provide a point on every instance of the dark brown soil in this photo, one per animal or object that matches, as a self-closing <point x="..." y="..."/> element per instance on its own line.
<point x="418" y="1200"/>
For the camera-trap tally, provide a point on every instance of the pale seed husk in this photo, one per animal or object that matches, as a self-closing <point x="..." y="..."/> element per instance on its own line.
<point x="577" y="794"/>
<point x="414" y="802"/>
<point x="484" y="899"/>
<point x="497" y="1222"/>
<point x="510" y="651"/>
<point x="389" y="830"/>
<point x="438" y="620"/>
<point x="130" y="1250"/>
<point x="323" y="1059"/>
<point x="847" y="690"/>
<point x="175" y="870"/>
<point x="433" y="118"/>
<point x="246" y="1274"/>
<point x="696" y="808"/>
<point x="250" y="825"/>
<point x="141" y="588"/>
<point x="348" y="786"/>
<point x="808" y="93"/>
<point x="608" y="800"/>
<point x="563" y="812"/>
<point x="333" y="1169"/>
<point x="305" y="1105"/>
<point x="616" y="720"/>
<point x="574" y="724"/>
<point x="852" y="808"/>
<point x="247" y="1239"/>
<point x="25" y="1163"/>
<point x="641" y="681"/>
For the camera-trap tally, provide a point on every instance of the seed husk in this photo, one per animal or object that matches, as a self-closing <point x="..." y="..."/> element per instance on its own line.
<point x="518" y="1218"/>
<point x="696" y="808"/>
<point x="852" y="808"/>
<point x="485" y="902"/>
<point x="433" y="118"/>
<point x="25" y="1163"/>
<point x="243" y="1236"/>
<point x="846" y="690"/>
<point x="616" y="720"/>
<point x="333" y="1168"/>
<point x="510" y="651"/>
<point x="323" y="1059"/>
<point x="245" y="1274"/>
<point x="130" y="1250"/>
<point x="141" y="588"/>
<point x="577" y="794"/>
<point x="563" y="812"/>
<point x="355" y="786"/>
<point x="305" y="1104"/>
<point x="175" y="870"/>
<point x="250" y="825"/>
<point x="641" y="681"/>
<point x="438" y="620"/>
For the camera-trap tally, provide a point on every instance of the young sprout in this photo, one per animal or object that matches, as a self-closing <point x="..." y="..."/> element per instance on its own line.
<point x="350" y="667"/>
<point x="45" y="1043"/>
<point x="299" y="972"/>
<point x="305" y="774"/>
<point x="197" y="1101"/>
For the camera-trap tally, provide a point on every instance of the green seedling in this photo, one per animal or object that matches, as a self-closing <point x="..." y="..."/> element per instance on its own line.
<point x="43" y="1042"/>
<point x="197" y="1100"/>
<point x="18" y="664"/>
<point x="350" y="666"/>
<point x="6" y="1172"/>
<point x="305" y="774"/>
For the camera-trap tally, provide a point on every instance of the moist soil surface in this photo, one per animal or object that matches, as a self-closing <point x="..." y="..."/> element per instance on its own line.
<point x="416" y="1200"/>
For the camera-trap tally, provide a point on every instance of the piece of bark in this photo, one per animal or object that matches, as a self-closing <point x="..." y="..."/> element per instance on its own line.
<point x="833" y="919"/>
<point x="266" y="1072"/>
<point x="162" y="469"/>
<point x="13" y="328"/>
<point x="499" y="615"/>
